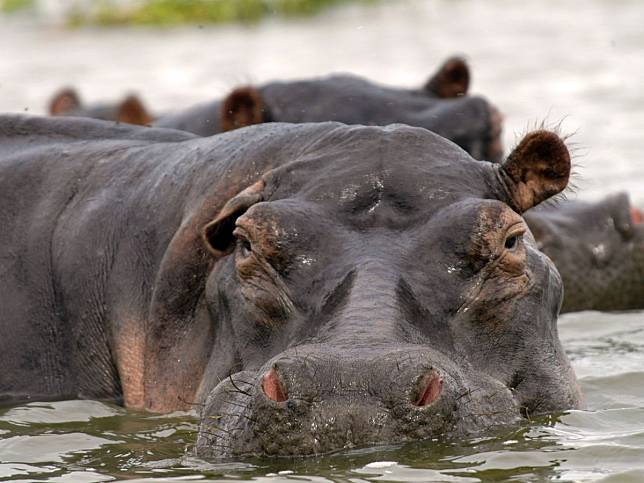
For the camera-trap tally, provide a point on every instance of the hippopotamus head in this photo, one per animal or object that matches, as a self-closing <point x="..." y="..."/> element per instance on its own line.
<point x="598" y="248"/>
<point x="131" y="109"/>
<point x="381" y="287"/>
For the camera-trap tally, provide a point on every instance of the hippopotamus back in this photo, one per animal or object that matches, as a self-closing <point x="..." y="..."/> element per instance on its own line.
<point x="598" y="248"/>
<point x="441" y="106"/>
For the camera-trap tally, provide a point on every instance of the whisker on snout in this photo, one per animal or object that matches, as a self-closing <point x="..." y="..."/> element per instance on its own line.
<point x="219" y="429"/>
<point x="230" y="377"/>
<point x="190" y="403"/>
<point x="233" y="403"/>
<point x="231" y="415"/>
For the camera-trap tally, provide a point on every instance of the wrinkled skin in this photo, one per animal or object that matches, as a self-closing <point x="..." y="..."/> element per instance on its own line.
<point x="316" y="286"/>
<point x="598" y="248"/>
<point x="130" y="109"/>
<point x="441" y="106"/>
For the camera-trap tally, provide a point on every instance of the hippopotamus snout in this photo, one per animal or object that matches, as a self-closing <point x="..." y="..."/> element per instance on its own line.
<point x="323" y="399"/>
<point x="394" y="377"/>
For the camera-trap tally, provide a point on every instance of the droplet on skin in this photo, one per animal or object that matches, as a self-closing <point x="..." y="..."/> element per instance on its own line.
<point x="599" y="251"/>
<point x="305" y="260"/>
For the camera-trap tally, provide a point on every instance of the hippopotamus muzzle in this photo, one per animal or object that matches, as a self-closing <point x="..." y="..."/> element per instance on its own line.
<point x="319" y="401"/>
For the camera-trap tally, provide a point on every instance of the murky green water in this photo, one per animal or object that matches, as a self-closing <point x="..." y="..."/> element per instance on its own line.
<point x="88" y="441"/>
<point x="578" y="61"/>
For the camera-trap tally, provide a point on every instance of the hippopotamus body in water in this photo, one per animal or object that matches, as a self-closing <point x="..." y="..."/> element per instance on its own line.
<point x="314" y="286"/>
<point x="131" y="110"/>
<point x="598" y="248"/>
<point x="441" y="106"/>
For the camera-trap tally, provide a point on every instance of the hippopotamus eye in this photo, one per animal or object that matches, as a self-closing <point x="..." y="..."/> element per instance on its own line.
<point x="512" y="241"/>
<point x="513" y="237"/>
<point x="243" y="243"/>
<point x="244" y="248"/>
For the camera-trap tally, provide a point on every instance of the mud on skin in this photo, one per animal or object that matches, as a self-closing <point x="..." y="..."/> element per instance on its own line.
<point x="315" y="286"/>
<point x="440" y="105"/>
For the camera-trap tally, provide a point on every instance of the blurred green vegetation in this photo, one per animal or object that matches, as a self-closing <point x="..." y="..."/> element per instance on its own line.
<point x="177" y="12"/>
<point x="10" y="6"/>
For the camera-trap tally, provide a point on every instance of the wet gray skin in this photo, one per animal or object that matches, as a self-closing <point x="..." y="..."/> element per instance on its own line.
<point x="441" y="105"/>
<point x="310" y="287"/>
<point x="598" y="248"/>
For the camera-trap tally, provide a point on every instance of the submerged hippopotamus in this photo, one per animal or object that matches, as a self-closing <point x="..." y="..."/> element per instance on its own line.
<point x="441" y="106"/>
<point x="131" y="110"/>
<point x="313" y="287"/>
<point x="598" y="248"/>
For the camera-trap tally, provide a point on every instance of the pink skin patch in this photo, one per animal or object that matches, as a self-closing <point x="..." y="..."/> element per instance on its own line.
<point x="432" y="390"/>
<point x="636" y="216"/>
<point x="272" y="387"/>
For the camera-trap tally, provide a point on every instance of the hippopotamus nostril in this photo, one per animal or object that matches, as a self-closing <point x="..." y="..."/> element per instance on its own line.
<point x="272" y="386"/>
<point x="430" y="390"/>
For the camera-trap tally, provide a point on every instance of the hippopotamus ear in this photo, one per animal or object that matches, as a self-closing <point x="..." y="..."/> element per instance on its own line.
<point x="63" y="101"/>
<point x="178" y="334"/>
<point x="132" y="111"/>
<point x="451" y="80"/>
<point x="538" y="168"/>
<point x="624" y="215"/>
<point x="243" y="107"/>
<point x="218" y="234"/>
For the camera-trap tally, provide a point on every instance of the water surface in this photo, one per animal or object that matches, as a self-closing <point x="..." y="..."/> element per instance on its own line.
<point x="91" y="441"/>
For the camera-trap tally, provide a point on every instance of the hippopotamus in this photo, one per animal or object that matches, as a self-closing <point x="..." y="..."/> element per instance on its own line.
<point x="441" y="106"/>
<point x="310" y="287"/>
<point x="598" y="248"/>
<point x="67" y="102"/>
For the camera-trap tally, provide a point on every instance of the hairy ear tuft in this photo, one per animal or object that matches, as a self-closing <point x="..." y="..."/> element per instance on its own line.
<point x="535" y="170"/>
<point x="242" y="107"/>
<point x="132" y="111"/>
<point x="65" y="100"/>
<point x="451" y="80"/>
<point x="218" y="234"/>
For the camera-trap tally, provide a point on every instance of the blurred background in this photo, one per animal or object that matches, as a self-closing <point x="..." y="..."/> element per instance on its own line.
<point x="578" y="63"/>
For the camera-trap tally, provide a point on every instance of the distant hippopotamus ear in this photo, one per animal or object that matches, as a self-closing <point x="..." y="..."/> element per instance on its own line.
<point x="451" y="80"/>
<point x="65" y="100"/>
<point x="218" y="234"/>
<point x="132" y="111"/>
<point x="243" y="107"/>
<point x="535" y="170"/>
